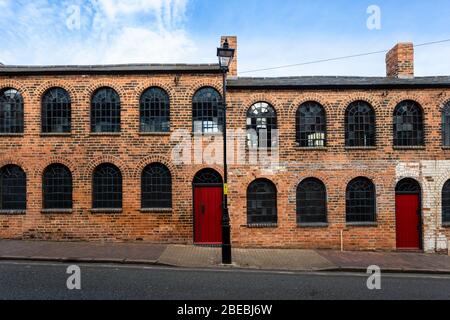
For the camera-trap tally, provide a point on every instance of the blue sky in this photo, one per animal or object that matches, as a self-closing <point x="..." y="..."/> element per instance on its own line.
<point x="270" y="32"/>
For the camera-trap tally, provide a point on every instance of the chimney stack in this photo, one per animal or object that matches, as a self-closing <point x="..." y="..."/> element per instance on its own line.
<point x="232" y="41"/>
<point x="400" y="61"/>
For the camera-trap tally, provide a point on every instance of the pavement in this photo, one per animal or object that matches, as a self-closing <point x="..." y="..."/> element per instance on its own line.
<point x="205" y="257"/>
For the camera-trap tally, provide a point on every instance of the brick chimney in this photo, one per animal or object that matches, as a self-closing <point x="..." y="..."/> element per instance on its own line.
<point x="232" y="41"/>
<point x="400" y="61"/>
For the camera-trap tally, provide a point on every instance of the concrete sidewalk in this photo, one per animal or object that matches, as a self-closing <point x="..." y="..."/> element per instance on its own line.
<point x="202" y="257"/>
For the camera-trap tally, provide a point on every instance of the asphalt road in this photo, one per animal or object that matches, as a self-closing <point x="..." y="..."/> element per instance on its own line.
<point x="25" y="280"/>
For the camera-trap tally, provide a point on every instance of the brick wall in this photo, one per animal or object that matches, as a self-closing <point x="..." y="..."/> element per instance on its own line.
<point x="131" y="152"/>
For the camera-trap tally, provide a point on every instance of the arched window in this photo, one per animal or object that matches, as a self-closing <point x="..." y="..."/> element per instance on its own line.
<point x="57" y="187"/>
<point x="156" y="187"/>
<point x="262" y="126"/>
<point x="56" y="111"/>
<point x="208" y="177"/>
<point x="446" y="203"/>
<point x="11" y="111"/>
<point x="262" y="203"/>
<point x="311" y="202"/>
<point x="107" y="187"/>
<point x="311" y="125"/>
<point x="361" y="201"/>
<point x="105" y="111"/>
<point x="446" y="125"/>
<point x="155" y="111"/>
<point x="408" y="186"/>
<point x="207" y="114"/>
<point x="360" y="125"/>
<point x="13" y="192"/>
<point x="408" y="125"/>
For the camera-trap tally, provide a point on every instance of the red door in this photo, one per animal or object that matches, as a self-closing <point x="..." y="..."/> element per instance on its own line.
<point x="408" y="221"/>
<point x="208" y="215"/>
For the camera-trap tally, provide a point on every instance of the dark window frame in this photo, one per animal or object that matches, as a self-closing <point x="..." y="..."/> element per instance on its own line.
<point x="446" y="125"/>
<point x="409" y="124"/>
<point x="311" y="125"/>
<point x="154" y="109"/>
<point x="361" y="201"/>
<point x="262" y="203"/>
<point x="13" y="188"/>
<point x="105" y="111"/>
<point x="207" y="111"/>
<point x="311" y="202"/>
<point x="360" y="125"/>
<point x="110" y="178"/>
<point x="208" y="177"/>
<point x="11" y="111"/>
<point x="262" y="119"/>
<point x="156" y="187"/>
<point x="56" y="111"/>
<point x="57" y="188"/>
<point x="446" y="203"/>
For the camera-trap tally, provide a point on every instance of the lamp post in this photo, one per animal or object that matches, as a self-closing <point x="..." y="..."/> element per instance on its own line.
<point x="225" y="55"/>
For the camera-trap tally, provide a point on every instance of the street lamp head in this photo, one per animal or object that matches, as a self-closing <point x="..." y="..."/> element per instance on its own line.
<point x="225" y="55"/>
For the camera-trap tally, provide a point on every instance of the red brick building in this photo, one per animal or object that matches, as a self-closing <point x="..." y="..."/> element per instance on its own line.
<point x="131" y="153"/>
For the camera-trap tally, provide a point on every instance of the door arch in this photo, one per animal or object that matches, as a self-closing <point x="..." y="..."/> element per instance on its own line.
<point x="207" y="198"/>
<point x="408" y="212"/>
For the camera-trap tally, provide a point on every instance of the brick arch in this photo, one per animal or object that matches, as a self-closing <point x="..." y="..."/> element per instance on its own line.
<point x="29" y="171"/>
<point x="291" y="111"/>
<point x="197" y="85"/>
<point x="362" y="174"/>
<point x="442" y="101"/>
<point x="24" y="91"/>
<point x="43" y="88"/>
<point x="39" y="170"/>
<point x="376" y="104"/>
<point x="250" y="177"/>
<point x="91" y="89"/>
<point x="300" y="177"/>
<point x="197" y="168"/>
<point x="136" y="174"/>
<point x="261" y="97"/>
<point x="395" y="100"/>
<point x="108" y="159"/>
<point x="143" y="86"/>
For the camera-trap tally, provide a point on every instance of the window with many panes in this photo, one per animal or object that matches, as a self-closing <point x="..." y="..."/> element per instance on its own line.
<point x="262" y="126"/>
<point x="57" y="187"/>
<point x="13" y="188"/>
<point x="11" y="111"/>
<point x="360" y="125"/>
<point x="155" y="111"/>
<point x="446" y="203"/>
<point x="156" y="187"/>
<point x="56" y="111"/>
<point x="105" y="111"/>
<point x="107" y="187"/>
<point x="311" y="202"/>
<point x="446" y="125"/>
<point x="311" y="125"/>
<point x="207" y="113"/>
<point x="408" y="125"/>
<point x="361" y="202"/>
<point x="262" y="203"/>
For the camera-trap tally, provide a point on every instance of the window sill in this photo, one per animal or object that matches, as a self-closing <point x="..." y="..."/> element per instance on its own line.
<point x="107" y="211"/>
<point x="360" y="148"/>
<point x="262" y="225"/>
<point x="155" y="134"/>
<point x="446" y="224"/>
<point x="312" y="225"/>
<point x="156" y="210"/>
<point x="410" y="148"/>
<point x="272" y="149"/>
<point x="13" y="212"/>
<point x="311" y="148"/>
<point x="56" y="211"/>
<point x="362" y="224"/>
<point x="207" y="134"/>
<point x="105" y="134"/>
<point x="446" y="148"/>
<point x="55" y="134"/>
<point x="11" y="135"/>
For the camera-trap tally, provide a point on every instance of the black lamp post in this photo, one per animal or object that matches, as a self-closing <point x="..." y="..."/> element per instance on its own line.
<point x="225" y="55"/>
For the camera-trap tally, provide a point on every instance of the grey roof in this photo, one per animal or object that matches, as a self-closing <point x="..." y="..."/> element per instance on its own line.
<point x="108" y="69"/>
<point x="327" y="82"/>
